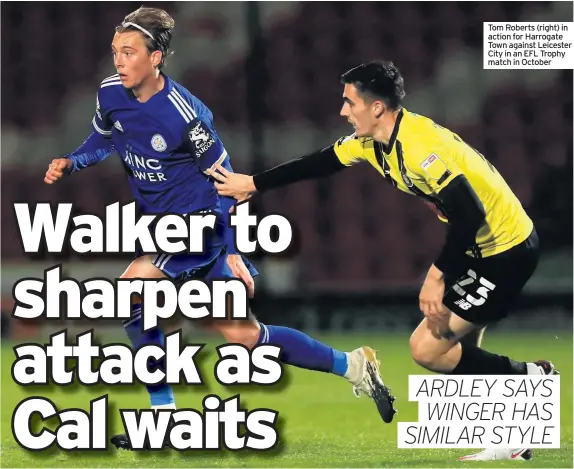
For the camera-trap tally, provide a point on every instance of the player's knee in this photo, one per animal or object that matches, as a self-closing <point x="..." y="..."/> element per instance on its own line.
<point x="422" y="353"/>
<point x="416" y="344"/>
<point x="424" y="358"/>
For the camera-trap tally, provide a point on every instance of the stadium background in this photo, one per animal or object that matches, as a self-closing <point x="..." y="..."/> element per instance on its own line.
<point x="270" y="73"/>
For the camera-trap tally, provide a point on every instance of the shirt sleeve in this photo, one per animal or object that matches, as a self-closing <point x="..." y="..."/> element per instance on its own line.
<point x="314" y="165"/>
<point x="466" y="214"/>
<point x="95" y="148"/>
<point x="435" y="167"/>
<point x="349" y="150"/>
<point x="101" y="121"/>
<point x="204" y="144"/>
<point x="207" y="149"/>
<point x="458" y="201"/>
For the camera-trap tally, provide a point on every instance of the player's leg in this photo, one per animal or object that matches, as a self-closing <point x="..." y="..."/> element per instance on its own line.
<point x="446" y="351"/>
<point x="517" y="265"/>
<point x="442" y="351"/>
<point x="298" y="349"/>
<point x="359" y="366"/>
<point x="456" y="350"/>
<point x="161" y="395"/>
<point x="474" y="337"/>
<point x="484" y="295"/>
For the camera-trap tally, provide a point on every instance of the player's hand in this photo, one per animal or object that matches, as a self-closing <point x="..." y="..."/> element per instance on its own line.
<point x="237" y="266"/>
<point x="238" y="186"/>
<point x="431" y="296"/>
<point x="56" y="169"/>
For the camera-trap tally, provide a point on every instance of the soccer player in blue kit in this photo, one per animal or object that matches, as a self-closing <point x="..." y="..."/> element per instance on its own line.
<point x="167" y="141"/>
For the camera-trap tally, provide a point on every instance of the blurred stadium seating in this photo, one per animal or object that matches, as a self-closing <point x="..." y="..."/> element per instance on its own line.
<point x="356" y="233"/>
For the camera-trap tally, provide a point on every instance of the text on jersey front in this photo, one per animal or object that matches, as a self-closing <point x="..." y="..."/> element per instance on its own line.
<point x="144" y="169"/>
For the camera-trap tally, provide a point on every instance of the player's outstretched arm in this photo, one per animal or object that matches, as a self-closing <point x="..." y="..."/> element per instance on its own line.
<point x="95" y="148"/>
<point x="240" y="186"/>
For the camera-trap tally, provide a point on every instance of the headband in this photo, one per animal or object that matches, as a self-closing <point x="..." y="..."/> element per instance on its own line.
<point x="137" y="26"/>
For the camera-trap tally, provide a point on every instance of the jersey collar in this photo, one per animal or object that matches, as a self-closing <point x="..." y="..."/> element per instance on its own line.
<point x="167" y="87"/>
<point x="387" y="149"/>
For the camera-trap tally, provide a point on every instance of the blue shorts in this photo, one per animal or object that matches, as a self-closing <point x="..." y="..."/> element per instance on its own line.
<point x="210" y="265"/>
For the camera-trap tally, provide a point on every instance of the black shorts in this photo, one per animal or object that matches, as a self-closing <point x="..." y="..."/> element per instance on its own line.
<point x="490" y="286"/>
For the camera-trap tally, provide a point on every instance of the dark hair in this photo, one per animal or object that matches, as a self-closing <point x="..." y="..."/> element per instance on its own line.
<point x="378" y="79"/>
<point x="157" y="22"/>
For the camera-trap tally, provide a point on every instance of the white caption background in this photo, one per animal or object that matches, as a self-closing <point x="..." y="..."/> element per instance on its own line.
<point x="528" y="45"/>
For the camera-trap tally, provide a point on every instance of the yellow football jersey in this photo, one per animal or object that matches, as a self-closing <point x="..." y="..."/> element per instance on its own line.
<point x="422" y="158"/>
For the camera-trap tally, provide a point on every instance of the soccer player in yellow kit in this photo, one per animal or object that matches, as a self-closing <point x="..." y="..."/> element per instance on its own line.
<point x="491" y="248"/>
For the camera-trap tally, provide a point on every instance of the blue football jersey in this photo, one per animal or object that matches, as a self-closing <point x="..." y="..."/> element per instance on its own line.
<point x="166" y="145"/>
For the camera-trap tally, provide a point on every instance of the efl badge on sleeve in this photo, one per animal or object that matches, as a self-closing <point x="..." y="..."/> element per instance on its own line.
<point x="158" y="143"/>
<point x="434" y="167"/>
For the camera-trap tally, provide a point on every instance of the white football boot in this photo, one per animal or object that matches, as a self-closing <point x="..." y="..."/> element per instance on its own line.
<point x="490" y="454"/>
<point x="363" y="372"/>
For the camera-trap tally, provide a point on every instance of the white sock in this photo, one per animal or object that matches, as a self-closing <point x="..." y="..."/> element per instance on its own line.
<point x="164" y="406"/>
<point x="355" y="364"/>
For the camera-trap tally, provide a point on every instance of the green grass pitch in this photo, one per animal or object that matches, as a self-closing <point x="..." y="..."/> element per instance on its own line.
<point x="321" y="423"/>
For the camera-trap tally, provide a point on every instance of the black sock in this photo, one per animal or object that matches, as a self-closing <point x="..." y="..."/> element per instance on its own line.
<point x="476" y="361"/>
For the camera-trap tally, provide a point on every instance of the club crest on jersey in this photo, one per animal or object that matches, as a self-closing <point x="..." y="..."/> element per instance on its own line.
<point x="434" y="166"/>
<point x="158" y="143"/>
